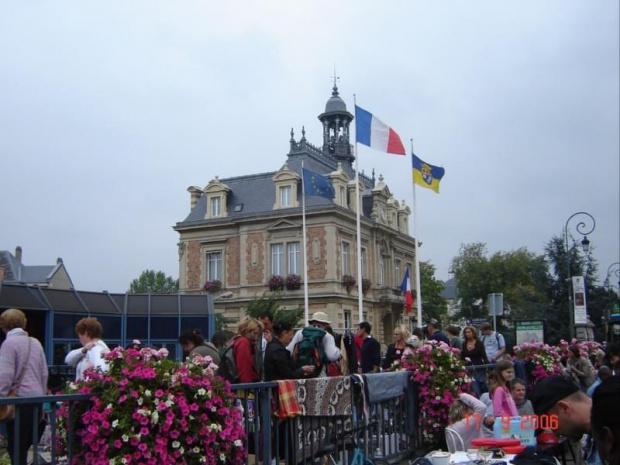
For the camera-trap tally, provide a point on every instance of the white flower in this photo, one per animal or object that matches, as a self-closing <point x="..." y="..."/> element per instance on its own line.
<point x="140" y="401"/>
<point x="201" y="392"/>
<point x="238" y="443"/>
<point x="155" y="417"/>
<point x="147" y="393"/>
<point x="114" y="423"/>
<point x="125" y="438"/>
<point x="222" y="457"/>
<point x="176" y="444"/>
<point x="196" y="450"/>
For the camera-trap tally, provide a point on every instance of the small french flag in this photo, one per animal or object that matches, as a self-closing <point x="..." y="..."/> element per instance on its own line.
<point x="371" y="131"/>
<point x="406" y="288"/>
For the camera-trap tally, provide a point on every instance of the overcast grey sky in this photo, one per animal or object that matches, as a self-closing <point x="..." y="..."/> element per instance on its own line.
<point x="110" y="110"/>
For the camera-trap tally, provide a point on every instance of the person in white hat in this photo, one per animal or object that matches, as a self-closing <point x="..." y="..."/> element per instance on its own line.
<point x="332" y="353"/>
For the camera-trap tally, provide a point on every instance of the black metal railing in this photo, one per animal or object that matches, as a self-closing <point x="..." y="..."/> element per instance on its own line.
<point x="386" y="429"/>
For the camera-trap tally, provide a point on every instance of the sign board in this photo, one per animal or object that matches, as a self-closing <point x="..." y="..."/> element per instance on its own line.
<point x="579" y="300"/>
<point x="476" y="321"/>
<point x="530" y="330"/>
<point x="495" y="302"/>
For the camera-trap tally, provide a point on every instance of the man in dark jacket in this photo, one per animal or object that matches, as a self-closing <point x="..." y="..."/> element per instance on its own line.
<point x="370" y="353"/>
<point x="434" y="334"/>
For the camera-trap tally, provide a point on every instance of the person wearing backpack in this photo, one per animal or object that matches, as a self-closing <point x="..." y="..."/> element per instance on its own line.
<point x="313" y="345"/>
<point x="494" y="343"/>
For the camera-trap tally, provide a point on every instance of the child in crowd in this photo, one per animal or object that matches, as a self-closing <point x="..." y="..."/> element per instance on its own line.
<point x="503" y="403"/>
<point x="465" y="416"/>
<point x="517" y="389"/>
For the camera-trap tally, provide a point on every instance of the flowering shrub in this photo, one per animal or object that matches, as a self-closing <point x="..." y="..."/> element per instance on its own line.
<point x="440" y="373"/>
<point x="293" y="282"/>
<point x="366" y="285"/>
<point x="348" y="282"/>
<point x="213" y="286"/>
<point x="150" y="410"/>
<point x="276" y="283"/>
<point x="544" y="358"/>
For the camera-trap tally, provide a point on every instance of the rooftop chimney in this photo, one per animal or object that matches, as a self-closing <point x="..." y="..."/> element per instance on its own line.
<point x="59" y="261"/>
<point x="18" y="254"/>
<point x="195" y="193"/>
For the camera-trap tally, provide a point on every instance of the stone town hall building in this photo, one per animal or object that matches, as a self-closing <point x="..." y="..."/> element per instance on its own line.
<point x="244" y="230"/>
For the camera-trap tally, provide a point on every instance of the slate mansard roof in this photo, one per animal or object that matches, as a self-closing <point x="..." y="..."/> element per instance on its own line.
<point x="256" y="193"/>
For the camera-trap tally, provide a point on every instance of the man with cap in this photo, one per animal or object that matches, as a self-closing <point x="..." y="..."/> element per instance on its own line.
<point x="319" y="320"/>
<point x="560" y="398"/>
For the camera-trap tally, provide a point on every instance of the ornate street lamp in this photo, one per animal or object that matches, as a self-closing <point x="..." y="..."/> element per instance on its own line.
<point x="611" y="271"/>
<point x="582" y="228"/>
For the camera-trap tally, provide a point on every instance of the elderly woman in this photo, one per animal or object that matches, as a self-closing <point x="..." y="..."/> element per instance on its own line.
<point x="93" y="349"/>
<point x="396" y="350"/>
<point x="23" y="370"/>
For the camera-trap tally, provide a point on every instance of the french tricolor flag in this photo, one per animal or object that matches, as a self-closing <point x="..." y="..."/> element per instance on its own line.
<point x="371" y="131"/>
<point x="406" y="288"/>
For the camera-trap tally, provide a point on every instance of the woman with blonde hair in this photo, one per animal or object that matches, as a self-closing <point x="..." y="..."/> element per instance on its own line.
<point x="244" y="349"/>
<point x="90" y="355"/>
<point x="23" y="371"/>
<point x="396" y="350"/>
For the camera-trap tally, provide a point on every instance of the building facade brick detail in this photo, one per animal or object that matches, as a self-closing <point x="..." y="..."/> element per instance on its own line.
<point x="233" y="261"/>
<point x="194" y="265"/>
<point x="317" y="267"/>
<point x="255" y="274"/>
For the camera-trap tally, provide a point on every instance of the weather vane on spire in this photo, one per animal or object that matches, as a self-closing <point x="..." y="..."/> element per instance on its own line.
<point x="336" y="78"/>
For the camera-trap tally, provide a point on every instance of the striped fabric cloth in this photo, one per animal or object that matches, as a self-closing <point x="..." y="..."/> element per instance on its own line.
<point x="288" y="399"/>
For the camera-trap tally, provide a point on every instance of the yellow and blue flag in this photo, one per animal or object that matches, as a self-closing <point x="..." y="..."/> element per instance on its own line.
<point x="317" y="184"/>
<point x="426" y="175"/>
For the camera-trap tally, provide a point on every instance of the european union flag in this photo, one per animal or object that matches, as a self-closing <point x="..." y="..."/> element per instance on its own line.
<point x="317" y="184"/>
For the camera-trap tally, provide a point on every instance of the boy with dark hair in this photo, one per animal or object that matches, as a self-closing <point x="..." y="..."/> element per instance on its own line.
<point x="370" y="353"/>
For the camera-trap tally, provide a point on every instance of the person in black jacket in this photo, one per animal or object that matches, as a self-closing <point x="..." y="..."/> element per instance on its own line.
<point x="278" y="362"/>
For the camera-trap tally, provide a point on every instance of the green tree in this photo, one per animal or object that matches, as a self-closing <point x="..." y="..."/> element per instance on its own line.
<point x="272" y="302"/>
<point x="154" y="282"/>
<point x="433" y="304"/>
<point x="564" y="264"/>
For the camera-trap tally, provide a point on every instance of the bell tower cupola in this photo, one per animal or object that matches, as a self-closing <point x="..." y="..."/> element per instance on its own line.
<point x="336" y="121"/>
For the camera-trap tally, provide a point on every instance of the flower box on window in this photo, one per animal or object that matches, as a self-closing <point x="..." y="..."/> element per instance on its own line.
<point x="213" y="285"/>
<point x="366" y="285"/>
<point x="293" y="282"/>
<point x="276" y="283"/>
<point x="348" y="282"/>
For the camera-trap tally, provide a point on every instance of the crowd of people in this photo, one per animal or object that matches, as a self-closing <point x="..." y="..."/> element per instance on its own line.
<point x="584" y="400"/>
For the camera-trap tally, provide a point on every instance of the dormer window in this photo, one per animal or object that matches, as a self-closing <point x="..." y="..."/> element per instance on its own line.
<point x="217" y="196"/>
<point x="286" y="196"/>
<point x="216" y="204"/>
<point x="285" y="182"/>
<point x="340" y="180"/>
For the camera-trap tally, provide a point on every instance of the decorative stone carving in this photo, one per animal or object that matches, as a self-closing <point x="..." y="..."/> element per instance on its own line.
<point x="254" y="256"/>
<point x="316" y="250"/>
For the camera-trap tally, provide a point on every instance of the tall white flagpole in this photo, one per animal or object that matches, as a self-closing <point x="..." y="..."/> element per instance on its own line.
<point x="416" y="242"/>
<point x="358" y="203"/>
<point x="305" y="246"/>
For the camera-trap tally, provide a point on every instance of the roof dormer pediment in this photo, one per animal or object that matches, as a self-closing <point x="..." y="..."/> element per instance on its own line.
<point x="215" y="185"/>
